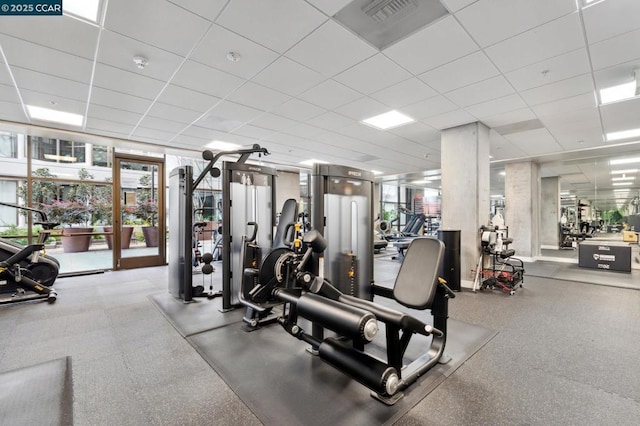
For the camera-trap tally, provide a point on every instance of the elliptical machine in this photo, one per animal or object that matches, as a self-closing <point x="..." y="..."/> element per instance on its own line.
<point x="26" y="272"/>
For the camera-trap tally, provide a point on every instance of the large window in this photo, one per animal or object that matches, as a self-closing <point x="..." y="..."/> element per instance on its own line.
<point x="8" y="145"/>
<point x="57" y="150"/>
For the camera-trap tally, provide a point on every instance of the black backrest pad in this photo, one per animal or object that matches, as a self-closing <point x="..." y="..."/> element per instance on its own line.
<point x="289" y="215"/>
<point x="418" y="277"/>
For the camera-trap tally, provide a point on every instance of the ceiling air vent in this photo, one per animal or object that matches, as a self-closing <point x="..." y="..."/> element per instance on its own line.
<point x="381" y="10"/>
<point x="385" y="22"/>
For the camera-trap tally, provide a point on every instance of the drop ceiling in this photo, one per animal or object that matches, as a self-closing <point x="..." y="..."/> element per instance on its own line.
<point x="304" y="82"/>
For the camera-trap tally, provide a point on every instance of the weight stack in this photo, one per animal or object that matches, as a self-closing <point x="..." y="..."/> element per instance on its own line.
<point x="450" y="269"/>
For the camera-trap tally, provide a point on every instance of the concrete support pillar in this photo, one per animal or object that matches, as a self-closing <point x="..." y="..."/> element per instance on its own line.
<point x="549" y="212"/>
<point x="522" y="210"/>
<point x="465" y="189"/>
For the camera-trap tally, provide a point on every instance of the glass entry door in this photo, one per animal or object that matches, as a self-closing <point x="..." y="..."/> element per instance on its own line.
<point x="139" y="212"/>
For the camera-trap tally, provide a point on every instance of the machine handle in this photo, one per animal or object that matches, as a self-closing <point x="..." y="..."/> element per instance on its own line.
<point x="443" y="284"/>
<point x="255" y="232"/>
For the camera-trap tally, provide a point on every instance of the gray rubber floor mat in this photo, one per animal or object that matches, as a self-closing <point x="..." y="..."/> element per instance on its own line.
<point x="284" y="385"/>
<point x="37" y="395"/>
<point x="195" y="317"/>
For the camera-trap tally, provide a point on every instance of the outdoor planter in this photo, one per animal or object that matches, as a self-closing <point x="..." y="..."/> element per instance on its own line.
<point x="125" y="237"/>
<point x="72" y="243"/>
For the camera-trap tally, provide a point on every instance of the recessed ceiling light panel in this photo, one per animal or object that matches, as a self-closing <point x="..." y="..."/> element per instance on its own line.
<point x="624" y="172"/>
<point x="55" y="116"/>
<point x="625" y="134"/>
<point x="223" y="146"/>
<point x="618" y="93"/>
<point x="86" y="9"/>
<point x="625" y="160"/>
<point x="388" y="120"/>
<point x="622" y="183"/>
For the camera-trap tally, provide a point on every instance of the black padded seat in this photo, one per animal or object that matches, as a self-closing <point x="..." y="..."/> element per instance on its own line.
<point x="417" y="279"/>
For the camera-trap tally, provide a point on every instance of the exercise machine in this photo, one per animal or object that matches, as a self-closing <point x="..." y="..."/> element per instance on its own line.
<point x="342" y="211"/>
<point x="287" y="276"/>
<point x="181" y="190"/>
<point x="263" y="314"/>
<point x="499" y="268"/>
<point x="248" y="193"/>
<point x="27" y="272"/>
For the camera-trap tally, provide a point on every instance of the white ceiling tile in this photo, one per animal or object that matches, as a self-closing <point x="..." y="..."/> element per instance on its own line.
<point x="330" y="94"/>
<point x="557" y="110"/>
<point x="621" y="116"/>
<point x="4" y="74"/>
<point x="112" y="114"/>
<point x="502" y="149"/>
<point x="296" y="109"/>
<point x="71" y="35"/>
<point x="191" y="141"/>
<point x="452" y="43"/>
<point x="98" y="124"/>
<point x="204" y="133"/>
<point x="571" y="117"/>
<point x="132" y="83"/>
<point x="118" y="51"/>
<point x="362" y="108"/>
<point x="207" y="9"/>
<point x="257" y="96"/>
<point x="231" y="110"/>
<point x="170" y="112"/>
<point x="455" y="5"/>
<point x="373" y="74"/>
<point x="429" y="107"/>
<point x="577" y="135"/>
<point x="483" y="91"/>
<point x="552" y="70"/>
<point x="201" y="78"/>
<point x="610" y="18"/>
<point x="497" y="106"/>
<point x="46" y="60"/>
<point x="186" y="98"/>
<point x="319" y="50"/>
<point x="450" y="119"/>
<point x="218" y="42"/>
<point x="461" y="72"/>
<point x="9" y="93"/>
<point x="404" y="93"/>
<point x="502" y="119"/>
<point x="330" y="121"/>
<point x="61" y="103"/>
<point x="227" y="116"/>
<point x="559" y="90"/>
<point x="45" y="83"/>
<point x="330" y="7"/>
<point x="417" y="132"/>
<point x="152" y="134"/>
<point x="109" y="98"/>
<point x="288" y="77"/>
<point x="552" y="39"/>
<point x="273" y="122"/>
<point x="534" y="142"/>
<point x="509" y="17"/>
<point x="276" y="25"/>
<point x="254" y="132"/>
<point x="162" y="124"/>
<point x="12" y="112"/>
<point x="616" y="50"/>
<point x="141" y="20"/>
<point x="304" y="131"/>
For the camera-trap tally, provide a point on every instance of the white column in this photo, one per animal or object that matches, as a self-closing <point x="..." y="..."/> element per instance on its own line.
<point x="522" y="210"/>
<point x="549" y="212"/>
<point x="465" y="189"/>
